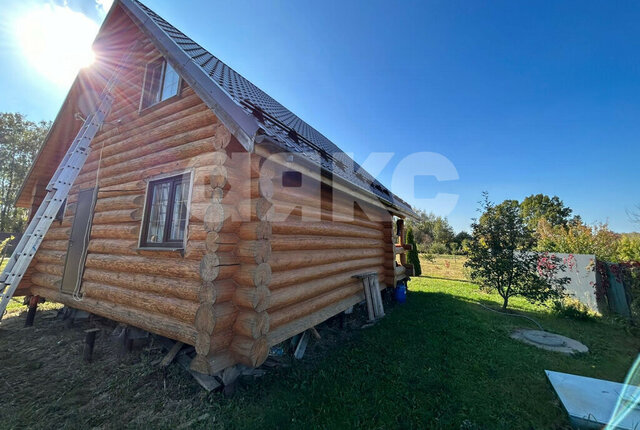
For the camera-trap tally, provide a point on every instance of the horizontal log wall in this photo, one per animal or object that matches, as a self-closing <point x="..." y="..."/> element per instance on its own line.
<point x="158" y="290"/>
<point x="262" y="262"/>
<point x="321" y="238"/>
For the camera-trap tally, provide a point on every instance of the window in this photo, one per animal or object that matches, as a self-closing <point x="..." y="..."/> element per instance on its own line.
<point x="291" y="178"/>
<point x="165" y="217"/>
<point x="161" y="81"/>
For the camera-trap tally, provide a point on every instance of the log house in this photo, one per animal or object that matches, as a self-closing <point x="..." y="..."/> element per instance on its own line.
<point x="214" y="216"/>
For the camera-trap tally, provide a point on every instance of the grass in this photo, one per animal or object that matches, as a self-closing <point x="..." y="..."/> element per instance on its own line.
<point x="444" y="267"/>
<point x="15" y="306"/>
<point x="438" y="361"/>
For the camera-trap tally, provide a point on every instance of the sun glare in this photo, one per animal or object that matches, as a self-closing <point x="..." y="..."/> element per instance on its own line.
<point x="56" y="41"/>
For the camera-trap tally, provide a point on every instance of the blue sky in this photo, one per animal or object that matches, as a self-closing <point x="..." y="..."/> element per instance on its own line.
<point x="522" y="97"/>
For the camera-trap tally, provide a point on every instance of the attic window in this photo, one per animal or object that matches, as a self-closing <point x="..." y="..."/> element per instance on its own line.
<point x="161" y="82"/>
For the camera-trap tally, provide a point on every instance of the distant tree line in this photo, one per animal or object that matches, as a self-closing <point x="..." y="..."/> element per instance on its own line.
<point x="434" y="235"/>
<point x="20" y="140"/>
<point x="554" y="228"/>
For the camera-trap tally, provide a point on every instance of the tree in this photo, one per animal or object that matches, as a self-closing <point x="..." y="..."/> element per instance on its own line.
<point x="438" y="248"/>
<point x="629" y="248"/>
<point x="429" y="229"/>
<point x="540" y="206"/>
<point x="3" y="247"/>
<point x="461" y="237"/>
<point x="19" y="143"/>
<point x="413" y="257"/>
<point x="579" y="238"/>
<point x="498" y="256"/>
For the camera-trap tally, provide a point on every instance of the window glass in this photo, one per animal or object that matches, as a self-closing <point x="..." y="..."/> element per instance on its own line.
<point x="152" y="83"/>
<point x="179" y="213"/>
<point x="161" y="82"/>
<point x="170" y="84"/>
<point x="158" y="212"/>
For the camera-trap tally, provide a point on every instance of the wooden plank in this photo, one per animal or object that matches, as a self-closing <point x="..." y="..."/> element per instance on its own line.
<point x="171" y="355"/>
<point x="302" y="346"/>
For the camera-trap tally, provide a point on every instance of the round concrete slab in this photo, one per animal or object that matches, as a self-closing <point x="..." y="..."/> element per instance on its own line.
<point x="549" y="341"/>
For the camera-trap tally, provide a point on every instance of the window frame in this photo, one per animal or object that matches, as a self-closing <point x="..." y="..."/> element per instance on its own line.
<point x="146" y="212"/>
<point x="142" y="108"/>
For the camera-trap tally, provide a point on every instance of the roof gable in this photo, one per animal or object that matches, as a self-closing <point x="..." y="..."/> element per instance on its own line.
<point x="247" y="110"/>
<point x="250" y="114"/>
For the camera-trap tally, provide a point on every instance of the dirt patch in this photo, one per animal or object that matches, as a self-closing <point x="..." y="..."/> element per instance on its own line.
<point x="48" y="383"/>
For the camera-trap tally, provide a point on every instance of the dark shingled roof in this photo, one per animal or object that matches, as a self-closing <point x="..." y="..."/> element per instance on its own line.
<point x="286" y="128"/>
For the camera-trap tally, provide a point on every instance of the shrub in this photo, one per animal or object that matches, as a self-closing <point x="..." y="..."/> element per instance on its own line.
<point x="412" y="257"/>
<point x="572" y="308"/>
<point x="438" y="248"/>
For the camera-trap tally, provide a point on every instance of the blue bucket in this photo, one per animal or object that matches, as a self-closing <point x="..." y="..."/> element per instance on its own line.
<point x="401" y="292"/>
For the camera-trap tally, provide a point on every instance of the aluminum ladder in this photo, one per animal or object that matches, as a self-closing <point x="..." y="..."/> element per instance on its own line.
<point x="57" y="191"/>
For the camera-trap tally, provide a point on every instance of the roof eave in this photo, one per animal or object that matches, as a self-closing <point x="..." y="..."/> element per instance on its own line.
<point x="264" y="139"/>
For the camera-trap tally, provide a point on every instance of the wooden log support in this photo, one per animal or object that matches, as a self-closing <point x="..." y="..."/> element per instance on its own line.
<point x="171" y="355"/>
<point x="220" y="242"/>
<point x="205" y="321"/>
<point x="302" y="291"/>
<point x="89" y="343"/>
<point x="31" y="313"/>
<point x="255" y="231"/>
<point x="324" y="229"/>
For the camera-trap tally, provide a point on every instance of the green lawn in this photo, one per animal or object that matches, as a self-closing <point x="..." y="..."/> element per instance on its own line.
<point x="438" y="361"/>
<point x="444" y="267"/>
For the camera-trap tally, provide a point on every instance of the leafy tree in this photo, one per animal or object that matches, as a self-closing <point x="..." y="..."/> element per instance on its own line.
<point x="540" y="206"/>
<point x="629" y="248"/>
<point x="579" y="238"/>
<point x="429" y="229"/>
<point x="465" y="245"/>
<point x="461" y="237"/>
<point x="499" y="260"/>
<point x="3" y="247"/>
<point x="19" y="142"/>
<point x="438" y="248"/>
<point x="412" y="256"/>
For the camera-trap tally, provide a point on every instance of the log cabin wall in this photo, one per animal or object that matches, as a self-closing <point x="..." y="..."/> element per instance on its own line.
<point x="321" y="237"/>
<point x="157" y="290"/>
<point x="262" y="262"/>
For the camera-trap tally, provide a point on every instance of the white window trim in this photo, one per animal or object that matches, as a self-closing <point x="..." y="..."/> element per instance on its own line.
<point x="142" y="108"/>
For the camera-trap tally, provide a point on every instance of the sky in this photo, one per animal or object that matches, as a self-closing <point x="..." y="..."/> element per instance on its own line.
<point x="517" y="97"/>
